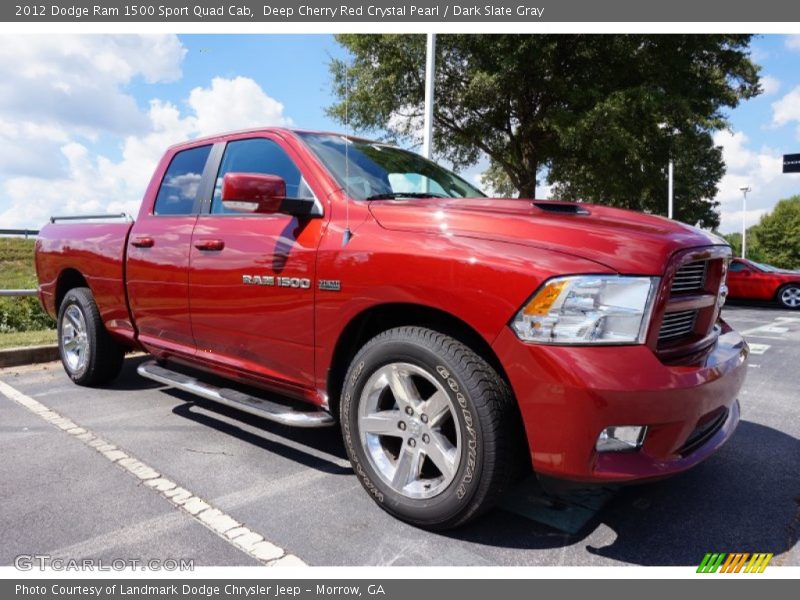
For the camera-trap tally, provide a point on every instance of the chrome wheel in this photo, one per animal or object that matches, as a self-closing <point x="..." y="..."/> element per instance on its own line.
<point x="790" y="296"/>
<point x="74" y="340"/>
<point x="408" y="430"/>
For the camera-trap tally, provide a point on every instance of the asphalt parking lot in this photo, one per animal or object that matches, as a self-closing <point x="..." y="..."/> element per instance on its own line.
<point x="62" y="497"/>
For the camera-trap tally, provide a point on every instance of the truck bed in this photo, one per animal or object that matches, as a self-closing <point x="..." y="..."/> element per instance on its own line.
<point x="94" y="252"/>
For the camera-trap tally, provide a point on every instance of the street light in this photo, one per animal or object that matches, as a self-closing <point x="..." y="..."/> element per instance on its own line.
<point x="669" y="189"/>
<point x="671" y="133"/>
<point x="430" y="77"/>
<point x="745" y="189"/>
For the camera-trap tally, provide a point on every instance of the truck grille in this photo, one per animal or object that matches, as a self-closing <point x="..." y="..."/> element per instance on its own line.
<point x="690" y="277"/>
<point x="685" y="321"/>
<point x="677" y="324"/>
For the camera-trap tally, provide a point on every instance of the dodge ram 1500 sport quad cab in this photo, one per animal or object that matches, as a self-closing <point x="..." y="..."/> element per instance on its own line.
<point x="451" y="336"/>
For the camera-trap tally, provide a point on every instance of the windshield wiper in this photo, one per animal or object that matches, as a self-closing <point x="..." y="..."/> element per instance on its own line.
<point x="393" y="195"/>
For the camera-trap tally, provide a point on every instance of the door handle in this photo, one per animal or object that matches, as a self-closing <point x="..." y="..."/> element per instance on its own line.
<point x="210" y="245"/>
<point x="143" y="242"/>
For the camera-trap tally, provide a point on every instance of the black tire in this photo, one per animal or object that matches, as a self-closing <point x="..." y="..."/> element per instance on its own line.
<point x="789" y="296"/>
<point x="481" y="406"/>
<point x="101" y="360"/>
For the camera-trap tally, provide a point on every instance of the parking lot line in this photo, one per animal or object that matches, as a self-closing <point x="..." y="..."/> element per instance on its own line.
<point x="220" y="523"/>
<point x="759" y="348"/>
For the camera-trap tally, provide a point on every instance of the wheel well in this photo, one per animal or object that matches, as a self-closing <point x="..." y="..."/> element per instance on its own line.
<point x="377" y="319"/>
<point x="68" y="280"/>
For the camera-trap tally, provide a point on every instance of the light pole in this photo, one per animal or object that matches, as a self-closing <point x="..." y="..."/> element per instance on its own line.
<point x="671" y="132"/>
<point x="430" y="76"/>
<point x="745" y="189"/>
<point x="669" y="189"/>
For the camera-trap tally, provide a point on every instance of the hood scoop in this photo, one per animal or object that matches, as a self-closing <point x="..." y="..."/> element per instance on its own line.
<point x="563" y="208"/>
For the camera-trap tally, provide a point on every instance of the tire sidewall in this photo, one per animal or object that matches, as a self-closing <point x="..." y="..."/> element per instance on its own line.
<point x="451" y="502"/>
<point x="73" y="298"/>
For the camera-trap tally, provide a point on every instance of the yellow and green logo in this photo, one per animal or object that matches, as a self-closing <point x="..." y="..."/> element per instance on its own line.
<point x="735" y="562"/>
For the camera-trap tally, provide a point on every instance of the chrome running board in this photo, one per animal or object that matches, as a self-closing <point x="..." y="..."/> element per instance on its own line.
<point x="239" y="400"/>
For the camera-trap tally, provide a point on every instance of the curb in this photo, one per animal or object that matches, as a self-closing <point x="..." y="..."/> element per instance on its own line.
<point x="13" y="357"/>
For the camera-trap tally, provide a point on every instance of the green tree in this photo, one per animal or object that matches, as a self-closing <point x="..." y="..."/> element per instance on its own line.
<point x="777" y="235"/>
<point x="754" y="251"/>
<point x="601" y="114"/>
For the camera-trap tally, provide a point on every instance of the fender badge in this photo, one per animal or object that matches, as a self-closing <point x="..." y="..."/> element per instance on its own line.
<point x="330" y="285"/>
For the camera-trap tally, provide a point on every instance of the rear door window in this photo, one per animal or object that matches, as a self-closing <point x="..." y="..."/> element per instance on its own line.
<point x="178" y="192"/>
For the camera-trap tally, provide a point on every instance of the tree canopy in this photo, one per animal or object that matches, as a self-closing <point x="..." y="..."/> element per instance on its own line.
<point x="599" y="114"/>
<point x="775" y="240"/>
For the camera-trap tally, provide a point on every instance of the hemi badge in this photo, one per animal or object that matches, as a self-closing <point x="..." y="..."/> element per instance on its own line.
<point x="330" y="285"/>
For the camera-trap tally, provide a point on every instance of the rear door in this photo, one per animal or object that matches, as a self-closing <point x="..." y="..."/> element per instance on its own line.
<point x="157" y="270"/>
<point x="252" y="275"/>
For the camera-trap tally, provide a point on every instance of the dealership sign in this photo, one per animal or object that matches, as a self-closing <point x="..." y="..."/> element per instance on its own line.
<point x="791" y="163"/>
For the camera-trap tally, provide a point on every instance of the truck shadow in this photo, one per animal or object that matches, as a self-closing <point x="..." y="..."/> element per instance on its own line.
<point x="746" y="498"/>
<point x="325" y="441"/>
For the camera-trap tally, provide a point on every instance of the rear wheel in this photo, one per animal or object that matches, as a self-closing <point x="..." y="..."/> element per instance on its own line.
<point x="429" y="426"/>
<point x="789" y="296"/>
<point x="89" y="355"/>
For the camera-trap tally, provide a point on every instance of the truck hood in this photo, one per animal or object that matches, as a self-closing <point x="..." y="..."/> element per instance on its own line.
<point x="625" y="241"/>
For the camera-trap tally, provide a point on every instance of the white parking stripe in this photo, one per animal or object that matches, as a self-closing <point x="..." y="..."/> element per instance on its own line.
<point x="758" y="348"/>
<point x="765" y="329"/>
<point x="225" y="526"/>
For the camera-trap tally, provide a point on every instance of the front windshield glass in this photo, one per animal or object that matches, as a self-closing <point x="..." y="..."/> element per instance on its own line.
<point x="767" y="268"/>
<point x="373" y="171"/>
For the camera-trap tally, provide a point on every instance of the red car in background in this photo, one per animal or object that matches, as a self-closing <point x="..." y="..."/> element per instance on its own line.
<point x="756" y="281"/>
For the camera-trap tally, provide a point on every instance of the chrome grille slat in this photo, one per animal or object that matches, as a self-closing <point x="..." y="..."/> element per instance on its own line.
<point x="677" y="324"/>
<point x="690" y="277"/>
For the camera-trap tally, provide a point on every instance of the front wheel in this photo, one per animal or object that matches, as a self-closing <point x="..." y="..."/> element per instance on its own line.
<point x="429" y="426"/>
<point x="89" y="355"/>
<point x="789" y="296"/>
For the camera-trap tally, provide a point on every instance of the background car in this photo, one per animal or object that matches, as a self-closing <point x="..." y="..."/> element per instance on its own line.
<point x="756" y="281"/>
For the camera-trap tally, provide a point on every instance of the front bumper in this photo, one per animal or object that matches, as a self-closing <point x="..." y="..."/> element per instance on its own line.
<point x="568" y="394"/>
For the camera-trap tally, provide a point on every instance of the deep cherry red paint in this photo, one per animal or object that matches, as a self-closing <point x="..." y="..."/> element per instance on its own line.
<point x="477" y="260"/>
<point x="753" y="283"/>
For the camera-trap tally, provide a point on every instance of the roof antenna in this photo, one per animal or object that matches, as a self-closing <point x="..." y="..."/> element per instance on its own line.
<point x="347" y="235"/>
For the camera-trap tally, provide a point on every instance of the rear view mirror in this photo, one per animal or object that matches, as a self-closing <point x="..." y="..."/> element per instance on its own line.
<point x="253" y="192"/>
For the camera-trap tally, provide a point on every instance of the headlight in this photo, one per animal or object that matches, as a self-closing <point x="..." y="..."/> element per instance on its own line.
<point x="588" y="309"/>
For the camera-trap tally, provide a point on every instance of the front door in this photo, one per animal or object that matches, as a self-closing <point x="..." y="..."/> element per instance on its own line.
<point x="251" y="277"/>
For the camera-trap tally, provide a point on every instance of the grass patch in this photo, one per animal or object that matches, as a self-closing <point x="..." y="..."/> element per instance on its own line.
<point x="27" y="338"/>
<point x="17" y="271"/>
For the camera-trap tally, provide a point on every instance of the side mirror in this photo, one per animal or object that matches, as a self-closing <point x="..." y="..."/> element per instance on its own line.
<point x="253" y="192"/>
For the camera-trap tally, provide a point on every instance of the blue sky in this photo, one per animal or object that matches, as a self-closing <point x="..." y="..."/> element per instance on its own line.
<point x="292" y="69"/>
<point x="84" y="118"/>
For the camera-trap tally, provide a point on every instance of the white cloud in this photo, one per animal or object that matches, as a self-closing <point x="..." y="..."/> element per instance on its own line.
<point x="31" y="148"/>
<point x="787" y="109"/>
<point x="231" y="104"/>
<point x="96" y="183"/>
<point x="59" y="88"/>
<point x="771" y="85"/>
<point x="761" y="170"/>
<point x="793" y="41"/>
<point x="76" y="82"/>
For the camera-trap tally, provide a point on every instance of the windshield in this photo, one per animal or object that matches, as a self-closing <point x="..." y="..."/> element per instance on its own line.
<point x="374" y="171"/>
<point x="767" y="268"/>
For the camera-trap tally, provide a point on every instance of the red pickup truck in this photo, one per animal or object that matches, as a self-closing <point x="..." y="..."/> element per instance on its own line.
<point x="452" y="337"/>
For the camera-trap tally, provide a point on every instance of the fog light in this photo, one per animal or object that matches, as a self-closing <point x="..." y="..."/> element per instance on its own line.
<point x="621" y="439"/>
